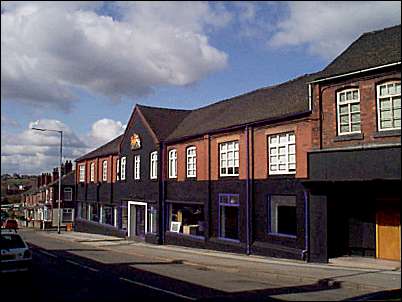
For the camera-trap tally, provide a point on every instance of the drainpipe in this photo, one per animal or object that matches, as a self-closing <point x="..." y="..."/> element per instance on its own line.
<point x="208" y="207"/>
<point x="161" y="194"/>
<point x="247" y="194"/>
<point x="305" y="252"/>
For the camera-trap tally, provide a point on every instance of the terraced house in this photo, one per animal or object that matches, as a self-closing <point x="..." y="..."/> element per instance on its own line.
<point x="307" y="169"/>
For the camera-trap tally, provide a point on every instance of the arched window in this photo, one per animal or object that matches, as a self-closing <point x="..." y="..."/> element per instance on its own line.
<point x="191" y="162"/>
<point x="389" y="106"/>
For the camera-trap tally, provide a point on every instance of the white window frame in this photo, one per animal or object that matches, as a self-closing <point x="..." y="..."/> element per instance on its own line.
<point x="81" y="169"/>
<point x="118" y="169"/>
<point x="92" y="172"/>
<point x="68" y="190"/>
<point x="137" y="166"/>
<point x="104" y="170"/>
<point x="349" y="104"/>
<point x="225" y="149"/>
<point x="392" y="108"/>
<point x="191" y="162"/>
<point x="123" y="168"/>
<point x="69" y="212"/>
<point x="154" y="165"/>
<point x="275" y="144"/>
<point x="172" y="163"/>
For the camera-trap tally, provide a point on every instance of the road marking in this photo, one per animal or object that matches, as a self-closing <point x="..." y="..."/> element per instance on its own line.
<point x="82" y="265"/>
<point x="47" y="253"/>
<point x="158" y="289"/>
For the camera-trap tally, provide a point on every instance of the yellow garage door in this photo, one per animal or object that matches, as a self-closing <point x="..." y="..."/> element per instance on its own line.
<point x="388" y="233"/>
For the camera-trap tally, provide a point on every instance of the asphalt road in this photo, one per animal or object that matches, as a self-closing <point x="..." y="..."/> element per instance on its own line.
<point x="73" y="271"/>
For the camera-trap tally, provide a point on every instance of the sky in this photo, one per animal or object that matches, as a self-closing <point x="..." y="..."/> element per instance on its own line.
<point x="81" y="67"/>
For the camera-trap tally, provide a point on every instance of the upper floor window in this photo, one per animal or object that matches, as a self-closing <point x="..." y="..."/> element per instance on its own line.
<point x="104" y="170"/>
<point x="191" y="162"/>
<point x="348" y="108"/>
<point x="282" y="153"/>
<point x="82" y="173"/>
<point x="137" y="163"/>
<point x="117" y="169"/>
<point x="123" y="168"/>
<point x="68" y="194"/>
<point x="154" y="165"/>
<point x="92" y="172"/>
<point x="389" y="105"/>
<point x="172" y="163"/>
<point x="229" y="158"/>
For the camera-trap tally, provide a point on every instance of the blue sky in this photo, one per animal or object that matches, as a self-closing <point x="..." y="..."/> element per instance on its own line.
<point x="82" y="66"/>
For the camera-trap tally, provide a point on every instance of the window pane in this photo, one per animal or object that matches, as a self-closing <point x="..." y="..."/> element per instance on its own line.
<point x="273" y="167"/>
<point x="273" y="159"/>
<point x="272" y="151"/>
<point x="283" y="215"/>
<point x="344" y="129"/>
<point x="386" y="115"/>
<point x="292" y="167"/>
<point x="383" y="90"/>
<point x="354" y="107"/>
<point x="385" y="103"/>
<point x="273" y="140"/>
<point x="342" y="97"/>
<point x="282" y="158"/>
<point x="397" y="124"/>
<point x="397" y="114"/>
<point x="282" y="139"/>
<point x="355" y="127"/>
<point x="223" y="170"/>
<point x="344" y="119"/>
<point x="349" y="95"/>
<point x="282" y="150"/>
<point x="398" y="88"/>
<point x="386" y="124"/>
<point x="291" y="137"/>
<point x="355" y="95"/>
<point x="282" y="167"/>
<point x="292" y="158"/>
<point x="397" y="102"/>
<point x="391" y="89"/>
<point x="229" y="222"/>
<point x="292" y="148"/>
<point x="343" y="109"/>
<point x="355" y="117"/>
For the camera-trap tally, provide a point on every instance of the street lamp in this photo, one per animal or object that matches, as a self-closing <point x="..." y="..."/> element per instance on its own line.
<point x="61" y="161"/>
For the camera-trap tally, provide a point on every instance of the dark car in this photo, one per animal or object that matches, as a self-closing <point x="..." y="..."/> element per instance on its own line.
<point x="11" y="224"/>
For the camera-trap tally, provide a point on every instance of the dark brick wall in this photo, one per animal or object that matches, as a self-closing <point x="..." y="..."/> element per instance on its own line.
<point x="85" y="226"/>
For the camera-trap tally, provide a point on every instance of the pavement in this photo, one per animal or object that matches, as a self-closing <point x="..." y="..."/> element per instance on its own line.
<point x="348" y="272"/>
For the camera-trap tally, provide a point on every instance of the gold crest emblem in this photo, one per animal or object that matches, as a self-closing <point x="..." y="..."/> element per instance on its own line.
<point x="135" y="142"/>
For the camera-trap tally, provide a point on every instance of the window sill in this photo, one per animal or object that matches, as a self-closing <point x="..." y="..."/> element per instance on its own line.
<point x="387" y="133"/>
<point x="349" y="137"/>
<point x="282" y="235"/>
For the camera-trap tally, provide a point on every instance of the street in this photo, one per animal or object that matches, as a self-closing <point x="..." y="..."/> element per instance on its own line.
<point x="76" y="271"/>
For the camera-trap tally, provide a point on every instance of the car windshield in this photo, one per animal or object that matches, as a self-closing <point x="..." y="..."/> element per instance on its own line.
<point x="11" y="241"/>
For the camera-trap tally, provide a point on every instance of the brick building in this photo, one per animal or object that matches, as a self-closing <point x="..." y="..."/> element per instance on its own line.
<point x="267" y="172"/>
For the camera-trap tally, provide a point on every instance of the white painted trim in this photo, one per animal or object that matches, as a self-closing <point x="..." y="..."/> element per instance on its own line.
<point x="129" y="204"/>
<point x="356" y="72"/>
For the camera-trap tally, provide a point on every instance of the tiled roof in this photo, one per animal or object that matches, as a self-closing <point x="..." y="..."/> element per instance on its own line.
<point x="66" y="180"/>
<point x="111" y="147"/>
<point x="372" y="49"/>
<point x="271" y="102"/>
<point x="162" y="120"/>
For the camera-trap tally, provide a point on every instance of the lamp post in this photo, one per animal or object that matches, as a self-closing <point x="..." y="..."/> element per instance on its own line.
<point x="61" y="161"/>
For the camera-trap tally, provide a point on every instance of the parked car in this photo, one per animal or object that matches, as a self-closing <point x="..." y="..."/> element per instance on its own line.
<point x="11" y="224"/>
<point x="16" y="255"/>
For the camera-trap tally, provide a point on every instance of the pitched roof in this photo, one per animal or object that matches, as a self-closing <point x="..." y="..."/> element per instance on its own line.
<point x="111" y="147"/>
<point x="162" y="120"/>
<point x="66" y="180"/>
<point x="371" y="49"/>
<point x="270" y="102"/>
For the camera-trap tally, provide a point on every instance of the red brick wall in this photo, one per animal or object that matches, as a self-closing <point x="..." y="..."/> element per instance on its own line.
<point x="368" y="111"/>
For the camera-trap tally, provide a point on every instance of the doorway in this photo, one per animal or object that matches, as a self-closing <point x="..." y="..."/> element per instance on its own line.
<point x="137" y="223"/>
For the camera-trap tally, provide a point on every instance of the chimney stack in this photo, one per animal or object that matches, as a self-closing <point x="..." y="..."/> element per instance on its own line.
<point x="55" y="174"/>
<point x="68" y="167"/>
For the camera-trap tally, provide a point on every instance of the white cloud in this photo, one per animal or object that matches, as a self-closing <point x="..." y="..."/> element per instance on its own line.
<point x="105" y="130"/>
<point x="49" y="51"/>
<point x="34" y="152"/>
<point x="327" y="28"/>
<point x="9" y="122"/>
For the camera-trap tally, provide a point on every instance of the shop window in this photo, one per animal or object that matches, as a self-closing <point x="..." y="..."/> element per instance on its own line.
<point x="282" y="215"/>
<point x="186" y="219"/>
<point x="124" y="218"/>
<point x="95" y="212"/>
<point x="107" y="215"/>
<point x="152" y="220"/>
<point x="229" y="216"/>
